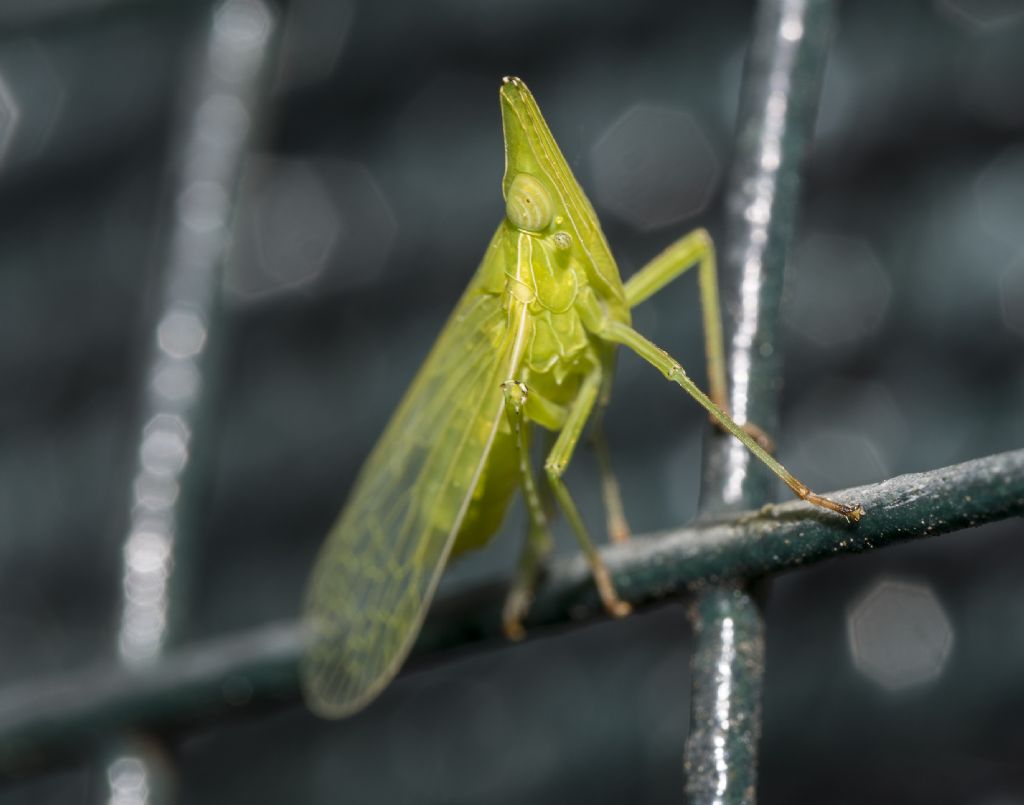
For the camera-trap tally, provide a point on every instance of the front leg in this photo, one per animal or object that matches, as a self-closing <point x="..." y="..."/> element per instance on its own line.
<point x="558" y="459"/>
<point x="620" y="333"/>
<point x="538" y="536"/>
<point x="695" y="249"/>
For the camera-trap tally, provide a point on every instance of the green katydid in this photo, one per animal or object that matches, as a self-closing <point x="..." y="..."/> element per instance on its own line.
<point x="531" y="342"/>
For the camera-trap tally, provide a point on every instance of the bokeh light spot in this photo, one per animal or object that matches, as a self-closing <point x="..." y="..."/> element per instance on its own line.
<point x="128" y="781"/>
<point x="837" y="292"/>
<point x="325" y="222"/>
<point x="899" y="635"/>
<point x="844" y="433"/>
<point x="999" y="195"/>
<point x="32" y="97"/>
<point x="654" y="166"/>
<point x="181" y="333"/>
<point x="982" y="15"/>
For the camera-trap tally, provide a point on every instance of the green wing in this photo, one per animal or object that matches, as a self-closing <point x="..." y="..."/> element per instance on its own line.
<point x="382" y="560"/>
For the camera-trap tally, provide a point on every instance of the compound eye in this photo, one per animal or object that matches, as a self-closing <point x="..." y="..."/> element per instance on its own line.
<point x="528" y="205"/>
<point x="563" y="241"/>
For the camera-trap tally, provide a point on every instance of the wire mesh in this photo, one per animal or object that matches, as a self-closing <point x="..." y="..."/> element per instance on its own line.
<point x="365" y="208"/>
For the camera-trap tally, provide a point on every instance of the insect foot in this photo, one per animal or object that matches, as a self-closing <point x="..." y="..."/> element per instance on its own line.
<point x="855" y="513"/>
<point x="851" y="513"/>
<point x="517" y="604"/>
<point x="615" y="606"/>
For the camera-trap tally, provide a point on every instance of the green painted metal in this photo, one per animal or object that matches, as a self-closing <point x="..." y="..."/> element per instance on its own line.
<point x="726" y="669"/>
<point x="779" y="102"/>
<point x="256" y="670"/>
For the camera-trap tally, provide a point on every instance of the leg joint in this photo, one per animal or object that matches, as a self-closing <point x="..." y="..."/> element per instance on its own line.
<point x="554" y="469"/>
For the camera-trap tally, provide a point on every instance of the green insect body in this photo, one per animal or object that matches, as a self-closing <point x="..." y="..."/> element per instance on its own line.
<point x="531" y="342"/>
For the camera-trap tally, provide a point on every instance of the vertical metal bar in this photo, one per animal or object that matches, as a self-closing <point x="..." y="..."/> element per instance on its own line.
<point x="209" y="161"/>
<point x="781" y="88"/>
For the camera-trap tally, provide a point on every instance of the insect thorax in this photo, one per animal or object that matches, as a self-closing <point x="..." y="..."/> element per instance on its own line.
<point x="549" y="281"/>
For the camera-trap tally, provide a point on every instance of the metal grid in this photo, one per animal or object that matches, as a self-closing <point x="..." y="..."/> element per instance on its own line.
<point x="732" y="546"/>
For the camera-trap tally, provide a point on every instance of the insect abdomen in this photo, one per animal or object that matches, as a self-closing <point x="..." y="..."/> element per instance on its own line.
<point x="498" y="482"/>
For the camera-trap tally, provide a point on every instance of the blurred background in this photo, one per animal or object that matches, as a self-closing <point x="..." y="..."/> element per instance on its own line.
<point x="159" y="399"/>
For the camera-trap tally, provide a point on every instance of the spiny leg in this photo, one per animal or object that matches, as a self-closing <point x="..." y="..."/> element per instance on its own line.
<point x="557" y="460"/>
<point x="624" y="334"/>
<point x="695" y="249"/>
<point x="538" y="536"/>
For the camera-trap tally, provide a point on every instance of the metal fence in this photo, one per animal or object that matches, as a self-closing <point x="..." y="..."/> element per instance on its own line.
<point x="259" y="252"/>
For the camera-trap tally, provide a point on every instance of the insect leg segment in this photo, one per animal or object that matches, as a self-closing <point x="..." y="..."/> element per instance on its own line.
<point x="545" y="413"/>
<point x="516" y="395"/>
<point x="620" y="333"/>
<point x="611" y="494"/>
<point x="538" y="536"/>
<point x="694" y="249"/>
<point x="557" y="460"/>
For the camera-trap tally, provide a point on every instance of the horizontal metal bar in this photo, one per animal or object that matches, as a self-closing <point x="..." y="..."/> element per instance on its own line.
<point x="753" y="544"/>
<point x="39" y="720"/>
